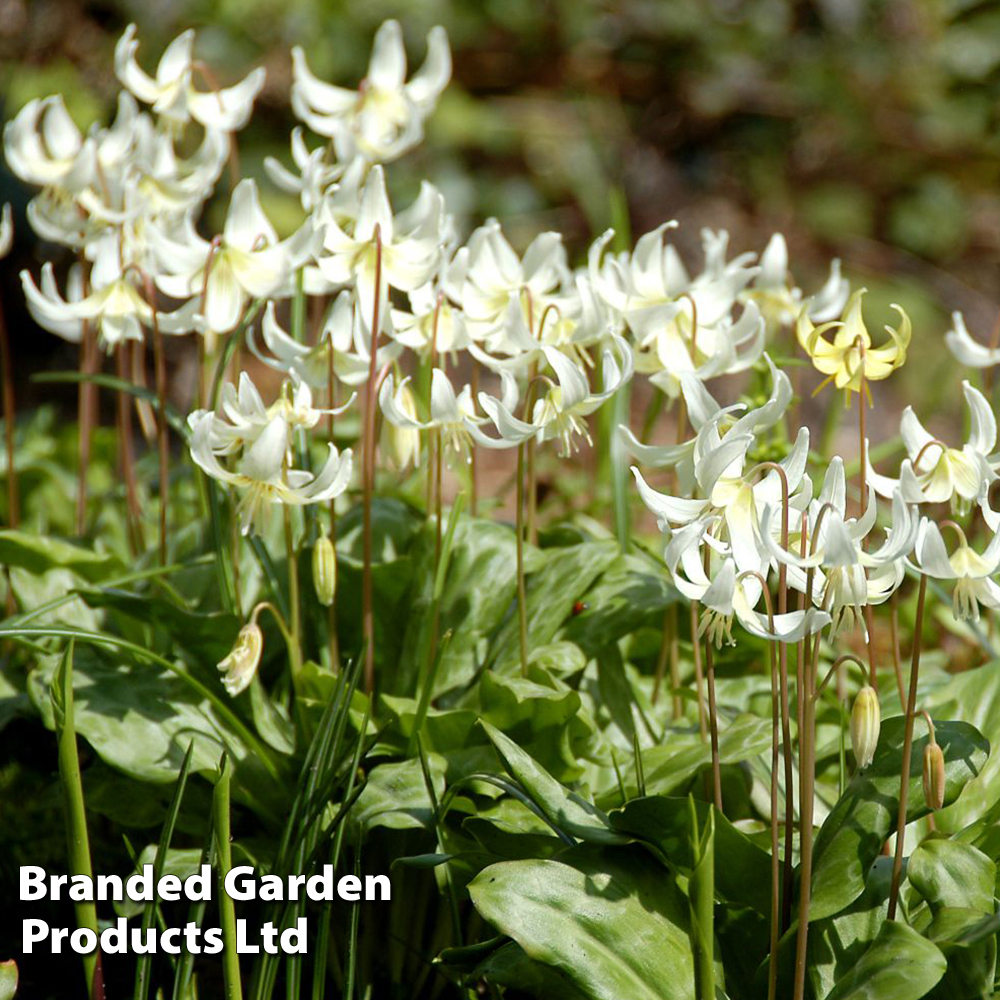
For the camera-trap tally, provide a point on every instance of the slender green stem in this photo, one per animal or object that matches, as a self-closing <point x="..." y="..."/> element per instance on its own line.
<point x="368" y="483"/>
<point x="713" y="723"/>
<point x="522" y="600"/>
<point x="904" y="783"/>
<point x="78" y="842"/>
<point x="294" y="601"/>
<point x="227" y="909"/>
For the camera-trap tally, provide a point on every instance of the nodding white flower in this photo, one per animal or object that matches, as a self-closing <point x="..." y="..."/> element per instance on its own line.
<point x="115" y="306"/>
<point x="240" y="666"/>
<point x="316" y="175"/>
<point x="6" y="230"/>
<point x="384" y="117"/>
<point x="246" y="416"/>
<point x="432" y="323"/>
<point x="966" y="350"/>
<point x="780" y="301"/>
<point x="172" y="93"/>
<point x="845" y="576"/>
<point x="727" y="593"/>
<point x="970" y="570"/>
<point x="729" y="494"/>
<point x="849" y="358"/>
<point x="43" y="145"/>
<point x="738" y="419"/>
<point x="343" y="333"/>
<point x="492" y="282"/>
<point x="246" y="261"/>
<point x="405" y="251"/>
<point x="453" y="415"/>
<point x="263" y="474"/>
<point x="937" y="473"/>
<point x="559" y="414"/>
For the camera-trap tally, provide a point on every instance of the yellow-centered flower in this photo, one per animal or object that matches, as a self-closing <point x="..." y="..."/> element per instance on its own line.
<point x="849" y="360"/>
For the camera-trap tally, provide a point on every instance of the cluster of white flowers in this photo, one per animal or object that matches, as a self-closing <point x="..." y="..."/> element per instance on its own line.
<point x="127" y="202"/>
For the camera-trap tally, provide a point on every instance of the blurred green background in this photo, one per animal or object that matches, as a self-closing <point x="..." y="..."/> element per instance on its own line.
<point x="865" y="129"/>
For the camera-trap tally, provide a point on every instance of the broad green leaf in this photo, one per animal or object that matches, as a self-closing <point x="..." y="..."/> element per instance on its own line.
<point x="701" y="895"/>
<point x="140" y="719"/>
<point x="973" y="696"/>
<point x="837" y="944"/>
<point x="478" y="591"/>
<point x="209" y="637"/>
<point x="899" y="965"/>
<point x="567" y="810"/>
<point x="742" y="870"/>
<point x="39" y="554"/>
<point x="672" y="764"/>
<point x="395" y="796"/>
<point x="852" y="836"/>
<point x="948" y="873"/>
<point x="968" y="940"/>
<point x="631" y="593"/>
<point x="509" y="966"/>
<point x="563" y="578"/>
<point x="605" y="920"/>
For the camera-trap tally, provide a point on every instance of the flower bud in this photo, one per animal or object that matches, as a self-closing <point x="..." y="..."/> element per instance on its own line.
<point x="239" y="667"/>
<point x="866" y="719"/>
<point x="933" y="776"/>
<point x="324" y="567"/>
<point x="402" y="444"/>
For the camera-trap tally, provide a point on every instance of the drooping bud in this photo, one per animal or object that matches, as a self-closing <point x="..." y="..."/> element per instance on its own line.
<point x="401" y="445"/>
<point x="239" y="667"/>
<point x="866" y="720"/>
<point x="324" y="567"/>
<point x="933" y="776"/>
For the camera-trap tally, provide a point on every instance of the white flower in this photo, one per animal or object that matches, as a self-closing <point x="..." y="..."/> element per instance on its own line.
<point x="263" y="474"/>
<point x="729" y="495"/>
<point x="115" y="306"/>
<point x="780" y="301"/>
<point x="937" y="473"/>
<point x="240" y="665"/>
<point x="172" y="93"/>
<point x="247" y="261"/>
<point x="970" y="570"/>
<point x="343" y="332"/>
<point x="404" y="251"/>
<point x="43" y="145"/>
<point x="384" y="117"/>
<point x="728" y="594"/>
<point x="315" y="177"/>
<point x="966" y="350"/>
<point x="453" y="415"/>
<point x="846" y="577"/>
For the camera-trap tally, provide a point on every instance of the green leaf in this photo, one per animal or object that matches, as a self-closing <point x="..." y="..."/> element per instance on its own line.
<point x="742" y="870"/>
<point x="178" y="861"/>
<point x="38" y="554"/>
<point x="837" y="944"/>
<point x="395" y="796"/>
<point x="509" y="966"/>
<point x="567" y="810"/>
<point x="900" y="965"/>
<point x="974" y="696"/>
<point x="210" y="636"/>
<point x="852" y="837"/>
<point x="478" y="590"/>
<point x="672" y="764"/>
<point x="602" y="919"/>
<point x="631" y="593"/>
<point x="948" y="873"/>
<point x="564" y="576"/>
<point x="140" y="719"/>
